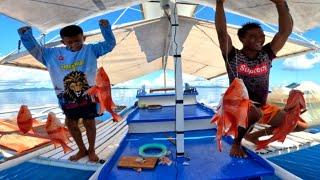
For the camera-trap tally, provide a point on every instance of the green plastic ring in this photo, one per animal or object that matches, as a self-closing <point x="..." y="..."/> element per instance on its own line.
<point x="144" y="147"/>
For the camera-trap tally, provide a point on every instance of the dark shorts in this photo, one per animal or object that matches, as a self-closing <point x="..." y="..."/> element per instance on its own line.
<point x="86" y="112"/>
<point x="78" y="107"/>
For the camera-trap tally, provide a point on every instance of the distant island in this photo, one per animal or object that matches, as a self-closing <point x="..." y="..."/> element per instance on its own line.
<point x="51" y="89"/>
<point x="26" y="89"/>
<point x="43" y="89"/>
<point x="214" y="86"/>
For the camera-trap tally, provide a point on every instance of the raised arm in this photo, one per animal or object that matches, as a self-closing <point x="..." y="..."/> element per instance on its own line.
<point x="109" y="42"/>
<point x="285" y="25"/>
<point x="31" y="44"/>
<point x="221" y="27"/>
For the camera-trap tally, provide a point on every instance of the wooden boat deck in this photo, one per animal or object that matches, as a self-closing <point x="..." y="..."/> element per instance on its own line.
<point x="109" y="135"/>
<point x="294" y="141"/>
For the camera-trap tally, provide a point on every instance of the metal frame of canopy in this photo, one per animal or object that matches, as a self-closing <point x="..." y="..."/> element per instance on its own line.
<point x="207" y="34"/>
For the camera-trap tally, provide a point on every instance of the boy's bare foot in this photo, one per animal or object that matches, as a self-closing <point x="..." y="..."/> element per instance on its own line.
<point x="237" y="151"/>
<point x="93" y="156"/>
<point x="79" y="155"/>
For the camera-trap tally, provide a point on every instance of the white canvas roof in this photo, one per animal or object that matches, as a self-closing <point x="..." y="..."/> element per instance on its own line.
<point x="52" y="14"/>
<point x="141" y="48"/>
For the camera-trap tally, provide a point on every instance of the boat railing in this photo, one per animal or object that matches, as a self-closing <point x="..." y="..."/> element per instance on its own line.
<point x="39" y="112"/>
<point x="161" y="89"/>
<point x="51" y="106"/>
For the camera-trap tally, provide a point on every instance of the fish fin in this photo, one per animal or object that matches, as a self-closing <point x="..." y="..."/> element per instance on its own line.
<point x="93" y="90"/>
<point x="282" y="138"/>
<point x="24" y="130"/>
<point x="55" y="143"/>
<point x="35" y="122"/>
<point x="219" y="145"/>
<point x="215" y="118"/>
<point x="96" y="99"/>
<point x="113" y="106"/>
<point x="262" y="144"/>
<point x="230" y="123"/>
<point x="59" y="142"/>
<point x="243" y="113"/>
<point x="66" y="148"/>
<point x="65" y="129"/>
<point x="277" y="136"/>
<point x="280" y="134"/>
<point x="101" y="109"/>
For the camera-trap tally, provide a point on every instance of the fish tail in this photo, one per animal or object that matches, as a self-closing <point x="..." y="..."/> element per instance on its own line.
<point x="116" y="117"/>
<point x="65" y="148"/>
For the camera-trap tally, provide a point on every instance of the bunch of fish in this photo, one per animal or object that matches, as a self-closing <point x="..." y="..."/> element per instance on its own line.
<point x="232" y="112"/>
<point x="55" y="131"/>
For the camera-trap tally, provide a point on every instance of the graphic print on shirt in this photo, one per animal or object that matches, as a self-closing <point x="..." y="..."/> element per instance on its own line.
<point x="74" y="94"/>
<point x="253" y="71"/>
<point x="257" y="70"/>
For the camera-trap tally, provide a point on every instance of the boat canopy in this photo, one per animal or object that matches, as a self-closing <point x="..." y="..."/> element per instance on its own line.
<point x="143" y="46"/>
<point x="48" y="15"/>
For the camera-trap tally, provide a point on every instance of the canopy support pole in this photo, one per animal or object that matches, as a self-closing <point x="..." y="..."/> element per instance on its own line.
<point x="176" y="48"/>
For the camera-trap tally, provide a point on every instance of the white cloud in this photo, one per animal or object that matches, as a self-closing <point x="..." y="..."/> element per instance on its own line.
<point x="14" y="77"/>
<point x="151" y="82"/>
<point x="148" y="81"/>
<point x="159" y="81"/>
<point x="301" y="62"/>
<point x="221" y="81"/>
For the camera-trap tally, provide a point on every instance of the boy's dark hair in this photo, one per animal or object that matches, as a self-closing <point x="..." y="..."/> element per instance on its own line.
<point x="250" y="25"/>
<point x="70" y="31"/>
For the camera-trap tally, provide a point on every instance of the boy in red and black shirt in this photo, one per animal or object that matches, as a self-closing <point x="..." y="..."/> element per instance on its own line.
<point x="252" y="64"/>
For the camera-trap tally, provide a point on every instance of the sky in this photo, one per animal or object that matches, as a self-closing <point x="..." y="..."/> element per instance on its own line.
<point x="284" y="71"/>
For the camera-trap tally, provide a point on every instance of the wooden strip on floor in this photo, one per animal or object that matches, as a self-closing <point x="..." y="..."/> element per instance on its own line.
<point x="72" y="143"/>
<point x="104" y="127"/>
<point x="101" y="138"/>
<point x="83" y="164"/>
<point x="112" y="140"/>
<point x="293" y="142"/>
